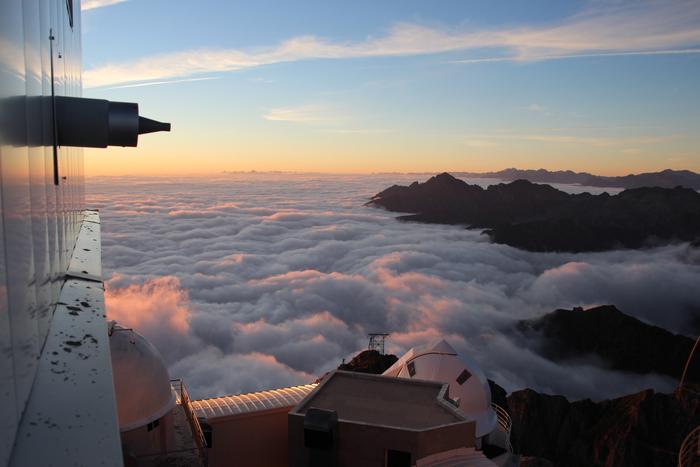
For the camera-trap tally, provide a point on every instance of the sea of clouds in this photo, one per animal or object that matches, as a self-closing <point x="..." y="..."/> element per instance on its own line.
<point x="253" y="281"/>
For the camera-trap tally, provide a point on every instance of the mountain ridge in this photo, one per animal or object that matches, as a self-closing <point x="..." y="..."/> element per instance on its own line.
<point x="622" y="341"/>
<point x="539" y="217"/>
<point x="667" y="178"/>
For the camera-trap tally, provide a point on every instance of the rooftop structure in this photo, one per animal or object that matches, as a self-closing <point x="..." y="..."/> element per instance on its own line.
<point x="468" y="386"/>
<point x="371" y="420"/>
<point x="243" y="404"/>
<point x="251" y="428"/>
<point x="372" y="399"/>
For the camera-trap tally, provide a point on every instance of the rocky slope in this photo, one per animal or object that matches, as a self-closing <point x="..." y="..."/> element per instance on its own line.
<point x="665" y="178"/>
<point x="621" y="341"/>
<point x="643" y="429"/>
<point x="541" y="218"/>
<point x="369" y="361"/>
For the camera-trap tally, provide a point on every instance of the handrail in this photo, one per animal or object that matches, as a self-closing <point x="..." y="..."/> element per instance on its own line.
<point x="689" y="453"/>
<point x="505" y="424"/>
<point x="687" y="365"/>
<point x="183" y="399"/>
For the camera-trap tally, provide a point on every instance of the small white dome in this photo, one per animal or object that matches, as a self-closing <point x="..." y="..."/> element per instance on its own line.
<point x="469" y="388"/>
<point x="141" y="380"/>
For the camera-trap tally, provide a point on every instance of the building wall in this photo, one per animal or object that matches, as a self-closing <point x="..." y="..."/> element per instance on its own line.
<point x="256" y="440"/>
<point x="39" y="221"/>
<point x="144" y="446"/>
<point x="366" y="445"/>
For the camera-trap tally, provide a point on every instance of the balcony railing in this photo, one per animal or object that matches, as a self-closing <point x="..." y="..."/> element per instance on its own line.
<point x="183" y="399"/>
<point x="689" y="454"/>
<point x="505" y="425"/>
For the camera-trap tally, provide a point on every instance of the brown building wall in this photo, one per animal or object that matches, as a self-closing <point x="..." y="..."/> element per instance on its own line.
<point x="258" y="440"/>
<point x="445" y="438"/>
<point x="366" y="445"/>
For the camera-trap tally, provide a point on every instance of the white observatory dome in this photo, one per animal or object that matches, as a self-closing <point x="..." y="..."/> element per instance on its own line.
<point x="141" y="380"/>
<point x="469" y="388"/>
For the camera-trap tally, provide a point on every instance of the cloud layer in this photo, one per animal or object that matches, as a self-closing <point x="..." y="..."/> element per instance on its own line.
<point x="603" y="29"/>
<point x="92" y="4"/>
<point x="247" y="282"/>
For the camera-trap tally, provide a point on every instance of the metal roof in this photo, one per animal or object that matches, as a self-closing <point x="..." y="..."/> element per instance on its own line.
<point x="227" y="406"/>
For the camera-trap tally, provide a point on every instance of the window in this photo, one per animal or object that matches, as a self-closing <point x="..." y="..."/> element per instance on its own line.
<point x="317" y="439"/>
<point x="463" y="376"/>
<point x="152" y="425"/>
<point x="411" y="369"/>
<point x="207" y="430"/>
<point x="398" y="458"/>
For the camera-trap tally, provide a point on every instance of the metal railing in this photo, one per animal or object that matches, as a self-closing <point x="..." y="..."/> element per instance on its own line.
<point x="183" y="399"/>
<point x="687" y="365"/>
<point x="505" y="425"/>
<point x="689" y="454"/>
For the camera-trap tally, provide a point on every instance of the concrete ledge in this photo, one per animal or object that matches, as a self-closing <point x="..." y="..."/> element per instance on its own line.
<point x="71" y="415"/>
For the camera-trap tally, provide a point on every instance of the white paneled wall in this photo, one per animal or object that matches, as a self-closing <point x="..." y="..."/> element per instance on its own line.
<point x="39" y="220"/>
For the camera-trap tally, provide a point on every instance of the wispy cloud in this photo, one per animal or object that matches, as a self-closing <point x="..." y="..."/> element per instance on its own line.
<point x="597" y="141"/>
<point x="582" y="55"/>
<point x="481" y="143"/>
<point x="158" y="83"/>
<point x="640" y="28"/>
<point x="92" y="4"/>
<point x="360" y="131"/>
<point x="535" y="108"/>
<point x="303" y="114"/>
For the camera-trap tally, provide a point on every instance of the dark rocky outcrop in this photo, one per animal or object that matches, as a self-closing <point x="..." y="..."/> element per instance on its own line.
<point x="643" y="429"/>
<point x="666" y="178"/>
<point x="623" y="342"/>
<point x="541" y="218"/>
<point x="369" y="361"/>
<point x="529" y="461"/>
<point x="498" y="394"/>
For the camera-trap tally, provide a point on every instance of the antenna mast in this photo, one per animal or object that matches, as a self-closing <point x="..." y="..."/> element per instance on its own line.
<point x="376" y="341"/>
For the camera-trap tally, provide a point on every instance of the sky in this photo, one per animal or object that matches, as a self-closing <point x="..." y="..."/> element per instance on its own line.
<point x="608" y="87"/>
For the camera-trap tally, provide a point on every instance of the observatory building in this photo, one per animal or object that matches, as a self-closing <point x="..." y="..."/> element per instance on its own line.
<point x="145" y="400"/>
<point x="432" y="407"/>
<point x="372" y="420"/>
<point x="468" y="387"/>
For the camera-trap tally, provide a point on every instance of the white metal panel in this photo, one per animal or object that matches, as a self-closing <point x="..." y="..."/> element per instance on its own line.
<point x="71" y="417"/>
<point x="39" y="221"/>
<point x="84" y="263"/>
<point x="14" y="167"/>
<point x="226" y="406"/>
<point x="37" y="176"/>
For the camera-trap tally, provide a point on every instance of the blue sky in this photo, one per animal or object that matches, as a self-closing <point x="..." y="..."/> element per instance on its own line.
<point x="607" y="87"/>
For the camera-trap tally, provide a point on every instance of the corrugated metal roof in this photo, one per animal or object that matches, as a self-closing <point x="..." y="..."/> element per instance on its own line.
<point x="226" y="406"/>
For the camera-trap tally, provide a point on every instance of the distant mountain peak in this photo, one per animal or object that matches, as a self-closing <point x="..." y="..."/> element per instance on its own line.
<point x="667" y="178"/>
<point x="539" y="217"/>
<point x="444" y="178"/>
